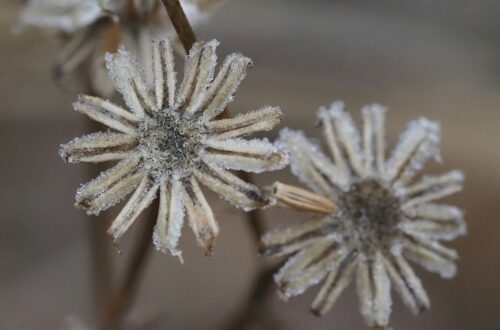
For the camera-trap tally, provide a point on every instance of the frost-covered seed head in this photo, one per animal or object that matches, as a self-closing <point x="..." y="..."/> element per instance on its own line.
<point x="374" y="215"/>
<point x="169" y="141"/>
<point x="169" y="144"/>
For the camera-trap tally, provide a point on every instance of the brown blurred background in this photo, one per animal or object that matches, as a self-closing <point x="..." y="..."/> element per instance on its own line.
<point x="438" y="59"/>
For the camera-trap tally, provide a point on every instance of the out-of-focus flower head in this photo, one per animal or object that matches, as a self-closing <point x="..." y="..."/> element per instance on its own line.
<point x="373" y="216"/>
<point x="91" y="28"/>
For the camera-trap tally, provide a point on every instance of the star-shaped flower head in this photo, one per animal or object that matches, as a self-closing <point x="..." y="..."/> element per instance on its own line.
<point x="171" y="141"/>
<point x="374" y="216"/>
<point x="94" y="27"/>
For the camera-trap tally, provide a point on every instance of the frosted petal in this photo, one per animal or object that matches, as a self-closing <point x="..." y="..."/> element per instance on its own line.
<point x="373" y="287"/>
<point x="105" y="180"/>
<point x="190" y="72"/>
<point x="307" y="268"/>
<point x="348" y="136"/>
<point x="407" y="284"/>
<point x="309" y="164"/>
<point x="419" y="143"/>
<point x="338" y="279"/>
<point x="164" y="74"/>
<point x="106" y="113"/>
<point x="142" y="197"/>
<point x="283" y="241"/>
<point x="244" y="124"/>
<point x="204" y="77"/>
<point x="224" y="85"/>
<point x="373" y="139"/>
<point x="231" y="188"/>
<point x="200" y="215"/>
<point x="98" y="147"/>
<point x="432" y="256"/>
<point x="170" y="219"/>
<point x="129" y="80"/>
<point x="248" y="155"/>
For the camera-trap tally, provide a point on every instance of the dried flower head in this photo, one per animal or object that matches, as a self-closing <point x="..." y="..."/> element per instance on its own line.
<point x="375" y="216"/>
<point x="170" y="141"/>
<point x="94" y="27"/>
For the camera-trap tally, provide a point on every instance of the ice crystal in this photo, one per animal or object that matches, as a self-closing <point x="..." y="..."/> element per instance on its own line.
<point x="94" y="27"/>
<point x="374" y="214"/>
<point x="171" y="141"/>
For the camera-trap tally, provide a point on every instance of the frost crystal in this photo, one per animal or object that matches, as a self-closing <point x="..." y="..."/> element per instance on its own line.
<point x="170" y="141"/>
<point x="380" y="216"/>
<point x="94" y="27"/>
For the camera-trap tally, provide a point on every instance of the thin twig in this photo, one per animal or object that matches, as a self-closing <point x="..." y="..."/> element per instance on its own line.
<point x="180" y="22"/>
<point x="122" y="299"/>
<point x="263" y="281"/>
<point x="100" y="258"/>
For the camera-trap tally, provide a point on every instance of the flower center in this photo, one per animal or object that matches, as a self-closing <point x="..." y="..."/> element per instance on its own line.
<point x="373" y="213"/>
<point x="169" y="144"/>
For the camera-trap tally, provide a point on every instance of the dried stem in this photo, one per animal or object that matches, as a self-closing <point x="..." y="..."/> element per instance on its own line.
<point x="180" y="23"/>
<point x="262" y="283"/>
<point x="123" y="297"/>
<point x="100" y="258"/>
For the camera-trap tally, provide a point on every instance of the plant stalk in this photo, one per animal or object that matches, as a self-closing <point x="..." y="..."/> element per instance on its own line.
<point x="123" y="297"/>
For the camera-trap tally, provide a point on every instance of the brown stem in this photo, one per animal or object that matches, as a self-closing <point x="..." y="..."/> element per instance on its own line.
<point x="124" y="295"/>
<point x="262" y="283"/>
<point x="100" y="258"/>
<point x="122" y="299"/>
<point x="180" y="23"/>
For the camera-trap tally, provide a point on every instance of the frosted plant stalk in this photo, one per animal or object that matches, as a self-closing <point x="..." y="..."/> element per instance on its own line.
<point x="170" y="141"/>
<point x="372" y="215"/>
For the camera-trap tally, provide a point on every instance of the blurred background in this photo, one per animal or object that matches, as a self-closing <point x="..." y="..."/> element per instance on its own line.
<point x="438" y="59"/>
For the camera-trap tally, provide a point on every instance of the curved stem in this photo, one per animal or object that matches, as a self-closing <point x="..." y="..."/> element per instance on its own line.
<point x="263" y="281"/>
<point x="122" y="299"/>
<point x="180" y="23"/>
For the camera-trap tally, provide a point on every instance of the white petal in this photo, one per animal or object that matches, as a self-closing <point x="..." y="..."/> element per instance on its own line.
<point x="248" y="155"/>
<point x="224" y="85"/>
<point x="310" y="165"/>
<point x="407" y="284"/>
<point x="106" y="113"/>
<point x="332" y="141"/>
<point x="283" y="241"/>
<point x="204" y="77"/>
<point x="338" y="279"/>
<point x="142" y="197"/>
<point x="164" y="74"/>
<point x="419" y="143"/>
<point x="105" y="180"/>
<point x="244" y="124"/>
<point x="190" y="72"/>
<point x="129" y="80"/>
<point x="348" y="136"/>
<point x="98" y="147"/>
<point x="231" y="188"/>
<point x="373" y="286"/>
<point x="373" y="138"/>
<point x="170" y="218"/>
<point x="307" y="268"/>
<point x="200" y="215"/>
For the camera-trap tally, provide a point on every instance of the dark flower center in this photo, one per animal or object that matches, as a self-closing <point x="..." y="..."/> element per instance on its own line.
<point x="373" y="212"/>
<point x="169" y="143"/>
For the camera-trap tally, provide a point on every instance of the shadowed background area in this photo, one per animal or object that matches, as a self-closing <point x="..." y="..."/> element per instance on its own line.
<point x="438" y="59"/>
